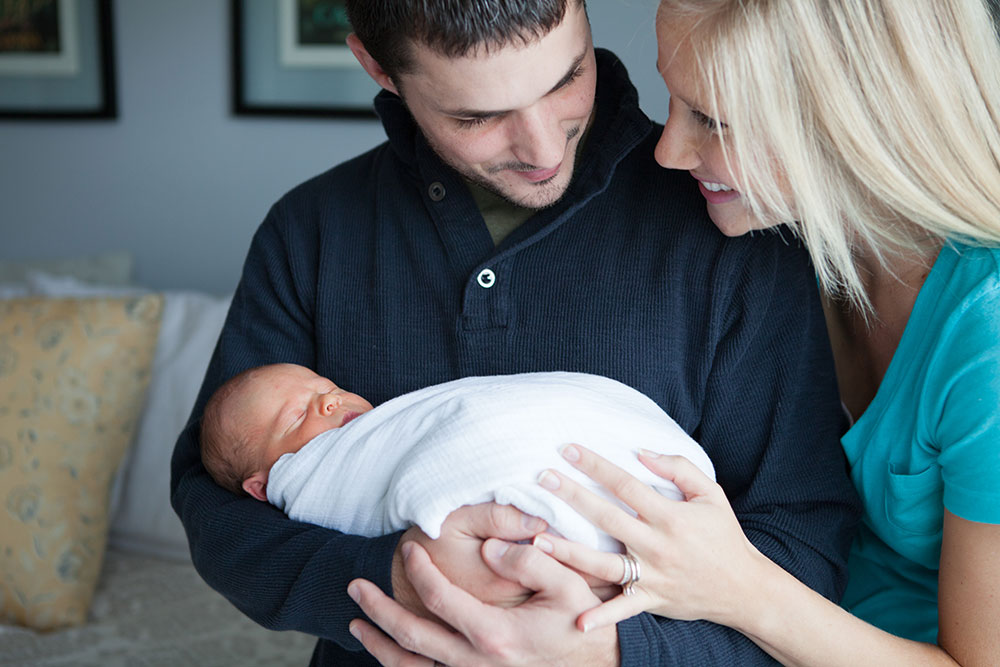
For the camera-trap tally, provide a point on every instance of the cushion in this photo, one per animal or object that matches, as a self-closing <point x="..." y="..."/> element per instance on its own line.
<point x="142" y="520"/>
<point x="39" y="283"/>
<point x="73" y="375"/>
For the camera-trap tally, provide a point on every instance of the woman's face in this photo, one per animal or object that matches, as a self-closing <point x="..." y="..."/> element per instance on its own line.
<point x="691" y="138"/>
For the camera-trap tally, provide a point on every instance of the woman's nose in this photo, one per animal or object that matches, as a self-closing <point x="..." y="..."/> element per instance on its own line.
<point x="677" y="147"/>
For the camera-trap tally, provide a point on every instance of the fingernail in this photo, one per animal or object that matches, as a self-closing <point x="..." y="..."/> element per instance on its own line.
<point x="496" y="548"/>
<point x="649" y="454"/>
<point x="406" y="549"/>
<point x="543" y="544"/>
<point x="355" y="630"/>
<point x="587" y="627"/>
<point x="353" y="591"/>
<point x="548" y="480"/>
<point x="570" y="453"/>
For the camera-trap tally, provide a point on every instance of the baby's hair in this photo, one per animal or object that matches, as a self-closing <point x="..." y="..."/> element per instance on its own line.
<point x="226" y="450"/>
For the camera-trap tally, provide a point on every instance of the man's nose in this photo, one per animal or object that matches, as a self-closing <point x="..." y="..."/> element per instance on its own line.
<point x="538" y="138"/>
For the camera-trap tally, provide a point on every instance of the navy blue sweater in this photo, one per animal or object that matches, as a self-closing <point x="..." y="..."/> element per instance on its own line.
<point x="361" y="274"/>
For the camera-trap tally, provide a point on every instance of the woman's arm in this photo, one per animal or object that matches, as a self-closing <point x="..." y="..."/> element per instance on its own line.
<point x="697" y="564"/>
<point x="969" y="591"/>
<point x="799" y="627"/>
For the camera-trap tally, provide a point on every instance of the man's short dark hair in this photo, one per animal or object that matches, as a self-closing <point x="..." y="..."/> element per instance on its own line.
<point x="453" y="28"/>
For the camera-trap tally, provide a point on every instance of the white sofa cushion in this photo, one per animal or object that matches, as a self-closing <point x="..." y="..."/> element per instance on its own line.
<point x="145" y="522"/>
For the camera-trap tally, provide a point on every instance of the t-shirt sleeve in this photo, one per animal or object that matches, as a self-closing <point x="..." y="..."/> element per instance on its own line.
<point x="967" y="371"/>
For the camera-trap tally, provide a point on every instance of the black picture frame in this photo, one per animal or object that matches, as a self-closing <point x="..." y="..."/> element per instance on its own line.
<point x="273" y="74"/>
<point x="69" y="77"/>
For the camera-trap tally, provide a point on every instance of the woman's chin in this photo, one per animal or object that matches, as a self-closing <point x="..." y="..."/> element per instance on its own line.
<point x="733" y="223"/>
<point x="732" y="230"/>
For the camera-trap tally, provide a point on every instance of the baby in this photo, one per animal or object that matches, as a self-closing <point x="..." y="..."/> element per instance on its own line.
<point x="286" y="435"/>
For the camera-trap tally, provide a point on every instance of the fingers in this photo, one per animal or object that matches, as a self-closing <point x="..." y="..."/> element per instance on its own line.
<point x="533" y="569"/>
<point x="410" y="633"/>
<point x="614" y="610"/>
<point x="384" y="648"/>
<point x="601" y="512"/>
<point x="690" y="479"/>
<point x="448" y="602"/>
<point x="639" y="496"/>
<point x="599" y="564"/>
<point x="492" y="520"/>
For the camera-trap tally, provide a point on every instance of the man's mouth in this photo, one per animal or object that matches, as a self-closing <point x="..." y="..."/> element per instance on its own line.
<point x="539" y="175"/>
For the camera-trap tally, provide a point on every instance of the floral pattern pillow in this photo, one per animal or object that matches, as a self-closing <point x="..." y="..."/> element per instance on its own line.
<point x="73" y="375"/>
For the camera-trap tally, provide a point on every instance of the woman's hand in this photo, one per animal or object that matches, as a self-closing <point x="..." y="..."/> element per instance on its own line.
<point x="696" y="562"/>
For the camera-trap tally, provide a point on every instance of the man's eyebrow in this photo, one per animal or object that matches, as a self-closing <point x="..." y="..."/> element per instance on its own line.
<point x="570" y="73"/>
<point x="479" y="113"/>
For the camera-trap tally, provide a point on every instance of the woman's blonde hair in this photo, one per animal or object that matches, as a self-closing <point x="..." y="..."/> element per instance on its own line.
<point x="879" y="117"/>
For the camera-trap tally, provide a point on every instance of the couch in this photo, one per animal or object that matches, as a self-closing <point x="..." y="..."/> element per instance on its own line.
<point x="97" y="378"/>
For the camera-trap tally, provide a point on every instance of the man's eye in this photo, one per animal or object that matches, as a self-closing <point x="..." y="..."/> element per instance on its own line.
<point x="471" y="122"/>
<point x="577" y="73"/>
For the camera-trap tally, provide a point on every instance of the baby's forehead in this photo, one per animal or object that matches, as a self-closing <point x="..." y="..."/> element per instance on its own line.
<point x="291" y="373"/>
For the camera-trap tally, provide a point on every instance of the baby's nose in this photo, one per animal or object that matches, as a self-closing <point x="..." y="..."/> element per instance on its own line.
<point x="331" y="402"/>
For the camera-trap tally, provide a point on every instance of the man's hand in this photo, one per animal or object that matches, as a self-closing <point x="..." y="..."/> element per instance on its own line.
<point x="456" y="553"/>
<point x="541" y="631"/>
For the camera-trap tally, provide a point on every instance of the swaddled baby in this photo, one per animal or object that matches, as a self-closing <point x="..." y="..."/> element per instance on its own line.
<point x="286" y="435"/>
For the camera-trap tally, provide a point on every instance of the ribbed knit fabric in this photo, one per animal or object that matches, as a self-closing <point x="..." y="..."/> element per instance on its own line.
<point x="368" y="273"/>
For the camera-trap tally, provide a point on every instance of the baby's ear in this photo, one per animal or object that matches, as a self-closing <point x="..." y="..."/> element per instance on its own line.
<point x="256" y="485"/>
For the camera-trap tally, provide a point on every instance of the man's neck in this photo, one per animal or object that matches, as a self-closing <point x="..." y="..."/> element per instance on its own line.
<point x="503" y="216"/>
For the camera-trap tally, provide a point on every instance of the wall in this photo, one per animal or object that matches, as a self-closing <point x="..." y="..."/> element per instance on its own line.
<point x="177" y="179"/>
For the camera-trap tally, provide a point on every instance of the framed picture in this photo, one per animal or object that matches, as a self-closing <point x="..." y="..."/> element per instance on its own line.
<point x="56" y="59"/>
<point x="290" y="58"/>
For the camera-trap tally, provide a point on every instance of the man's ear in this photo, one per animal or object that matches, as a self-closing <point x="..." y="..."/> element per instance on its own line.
<point x="374" y="70"/>
<point x="256" y="485"/>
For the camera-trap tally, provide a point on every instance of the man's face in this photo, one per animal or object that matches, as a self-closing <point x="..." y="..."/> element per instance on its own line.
<point x="509" y="120"/>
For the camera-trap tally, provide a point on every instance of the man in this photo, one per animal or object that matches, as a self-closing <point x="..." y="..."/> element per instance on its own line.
<point x="511" y="224"/>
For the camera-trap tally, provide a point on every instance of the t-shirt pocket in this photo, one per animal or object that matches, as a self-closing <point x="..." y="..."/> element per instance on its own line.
<point x="913" y="501"/>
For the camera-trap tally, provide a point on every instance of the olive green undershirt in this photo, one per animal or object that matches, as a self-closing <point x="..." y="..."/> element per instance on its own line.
<point x="502" y="216"/>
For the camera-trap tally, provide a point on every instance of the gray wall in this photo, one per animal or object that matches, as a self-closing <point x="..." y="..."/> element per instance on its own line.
<point x="177" y="180"/>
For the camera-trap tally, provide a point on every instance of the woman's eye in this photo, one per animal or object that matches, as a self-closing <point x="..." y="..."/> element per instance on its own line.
<point x="707" y="121"/>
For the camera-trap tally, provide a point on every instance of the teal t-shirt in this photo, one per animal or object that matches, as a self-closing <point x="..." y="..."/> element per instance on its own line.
<point x="930" y="439"/>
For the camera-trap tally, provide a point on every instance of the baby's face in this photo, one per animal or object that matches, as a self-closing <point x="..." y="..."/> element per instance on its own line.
<point x="295" y="405"/>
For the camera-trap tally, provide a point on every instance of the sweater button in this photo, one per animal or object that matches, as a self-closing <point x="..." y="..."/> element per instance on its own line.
<point x="436" y="191"/>
<point x="486" y="279"/>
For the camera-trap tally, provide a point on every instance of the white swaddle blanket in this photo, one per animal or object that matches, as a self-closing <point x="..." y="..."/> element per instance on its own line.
<point x="416" y="458"/>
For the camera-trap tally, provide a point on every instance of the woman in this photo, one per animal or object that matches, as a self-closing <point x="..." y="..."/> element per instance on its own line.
<point x="870" y="128"/>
